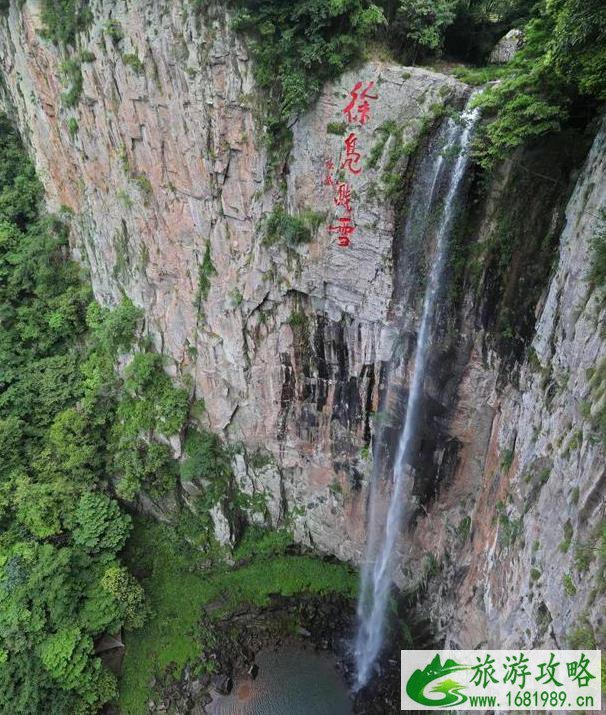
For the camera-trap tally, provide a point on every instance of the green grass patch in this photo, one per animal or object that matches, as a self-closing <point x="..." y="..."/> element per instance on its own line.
<point x="280" y="226"/>
<point x="131" y="59"/>
<point x="177" y="588"/>
<point x="567" y="540"/>
<point x="477" y="76"/>
<point x="569" y="588"/>
<point x="338" y="128"/>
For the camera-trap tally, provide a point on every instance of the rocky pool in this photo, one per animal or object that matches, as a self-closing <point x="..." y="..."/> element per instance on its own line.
<point x="290" y="681"/>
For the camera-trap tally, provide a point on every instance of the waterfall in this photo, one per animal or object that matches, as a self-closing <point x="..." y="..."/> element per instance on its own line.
<point x="383" y="533"/>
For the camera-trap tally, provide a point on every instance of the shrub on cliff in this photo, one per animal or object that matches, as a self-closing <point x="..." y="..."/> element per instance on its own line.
<point x="297" y="46"/>
<point x="280" y="226"/>
<point x="63" y="19"/>
<point x="556" y="79"/>
<point x="417" y="29"/>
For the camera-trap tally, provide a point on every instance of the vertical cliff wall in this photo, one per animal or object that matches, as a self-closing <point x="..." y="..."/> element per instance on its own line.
<point x="162" y="167"/>
<point x="516" y="530"/>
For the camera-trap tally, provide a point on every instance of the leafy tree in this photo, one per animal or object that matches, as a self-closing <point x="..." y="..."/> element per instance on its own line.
<point x="126" y="591"/>
<point x="113" y="329"/>
<point x="145" y="466"/>
<point x="38" y="506"/>
<point x="74" y="446"/>
<point x="65" y="655"/>
<point x="419" y="26"/>
<point x="559" y="72"/>
<point x="298" y="46"/>
<point x="150" y="410"/>
<point x="63" y="19"/>
<point x="206" y="459"/>
<point x="99" y="524"/>
<point x="578" y="44"/>
<point x="11" y="435"/>
<point x="58" y="395"/>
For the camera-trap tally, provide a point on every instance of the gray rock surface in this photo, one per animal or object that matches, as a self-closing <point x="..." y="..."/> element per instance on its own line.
<point x="506" y="47"/>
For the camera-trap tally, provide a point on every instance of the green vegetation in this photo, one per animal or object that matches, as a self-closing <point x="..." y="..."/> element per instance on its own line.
<point x="478" y="76"/>
<point x="145" y="186"/>
<point x="206" y="271"/>
<point x="556" y="80"/>
<point x="464" y="528"/>
<point x="149" y="409"/>
<point x="567" y="540"/>
<point x="206" y="459"/>
<point x="72" y="127"/>
<point x="557" y="77"/>
<point x="280" y="226"/>
<point x="582" y="637"/>
<point x="338" y="128"/>
<point x="132" y="60"/>
<point x="179" y="587"/>
<point x="61" y="583"/>
<point x="574" y="443"/>
<point x="583" y="556"/>
<point x="506" y="459"/>
<point x="544" y="475"/>
<point x="423" y="30"/>
<point x="297" y="319"/>
<point x="569" y="588"/>
<point x="391" y="134"/>
<point x="141" y="180"/>
<point x="297" y="47"/>
<point x="72" y="75"/>
<point x="124" y="198"/>
<point x="597" y="383"/>
<point x="113" y="29"/>
<point x="365" y="453"/>
<point x="418" y="27"/>
<point x="261" y="459"/>
<point x="64" y="19"/>
<point x="509" y="529"/>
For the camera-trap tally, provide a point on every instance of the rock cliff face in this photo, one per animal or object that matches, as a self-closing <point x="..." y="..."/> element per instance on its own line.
<point x="517" y="527"/>
<point x="162" y="164"/>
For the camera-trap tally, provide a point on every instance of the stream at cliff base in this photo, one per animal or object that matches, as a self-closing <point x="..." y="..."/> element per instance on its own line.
<point x="291" y="681"/>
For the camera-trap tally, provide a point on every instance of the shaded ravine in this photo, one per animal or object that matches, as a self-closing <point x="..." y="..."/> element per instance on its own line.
<point x="383" y="530"/>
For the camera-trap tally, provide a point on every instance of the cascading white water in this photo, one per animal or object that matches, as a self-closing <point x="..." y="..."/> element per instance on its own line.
<point x="377" y="570"/>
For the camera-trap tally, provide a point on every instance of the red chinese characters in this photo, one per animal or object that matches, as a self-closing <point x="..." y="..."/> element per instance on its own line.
<point x="344" y="229"/>
<point x="359" y="108"/>
<point x="357" y="112"/>
<point x="328" y="179"/>
<point x="343" y="196"/>
<point x="352" y="157"/>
